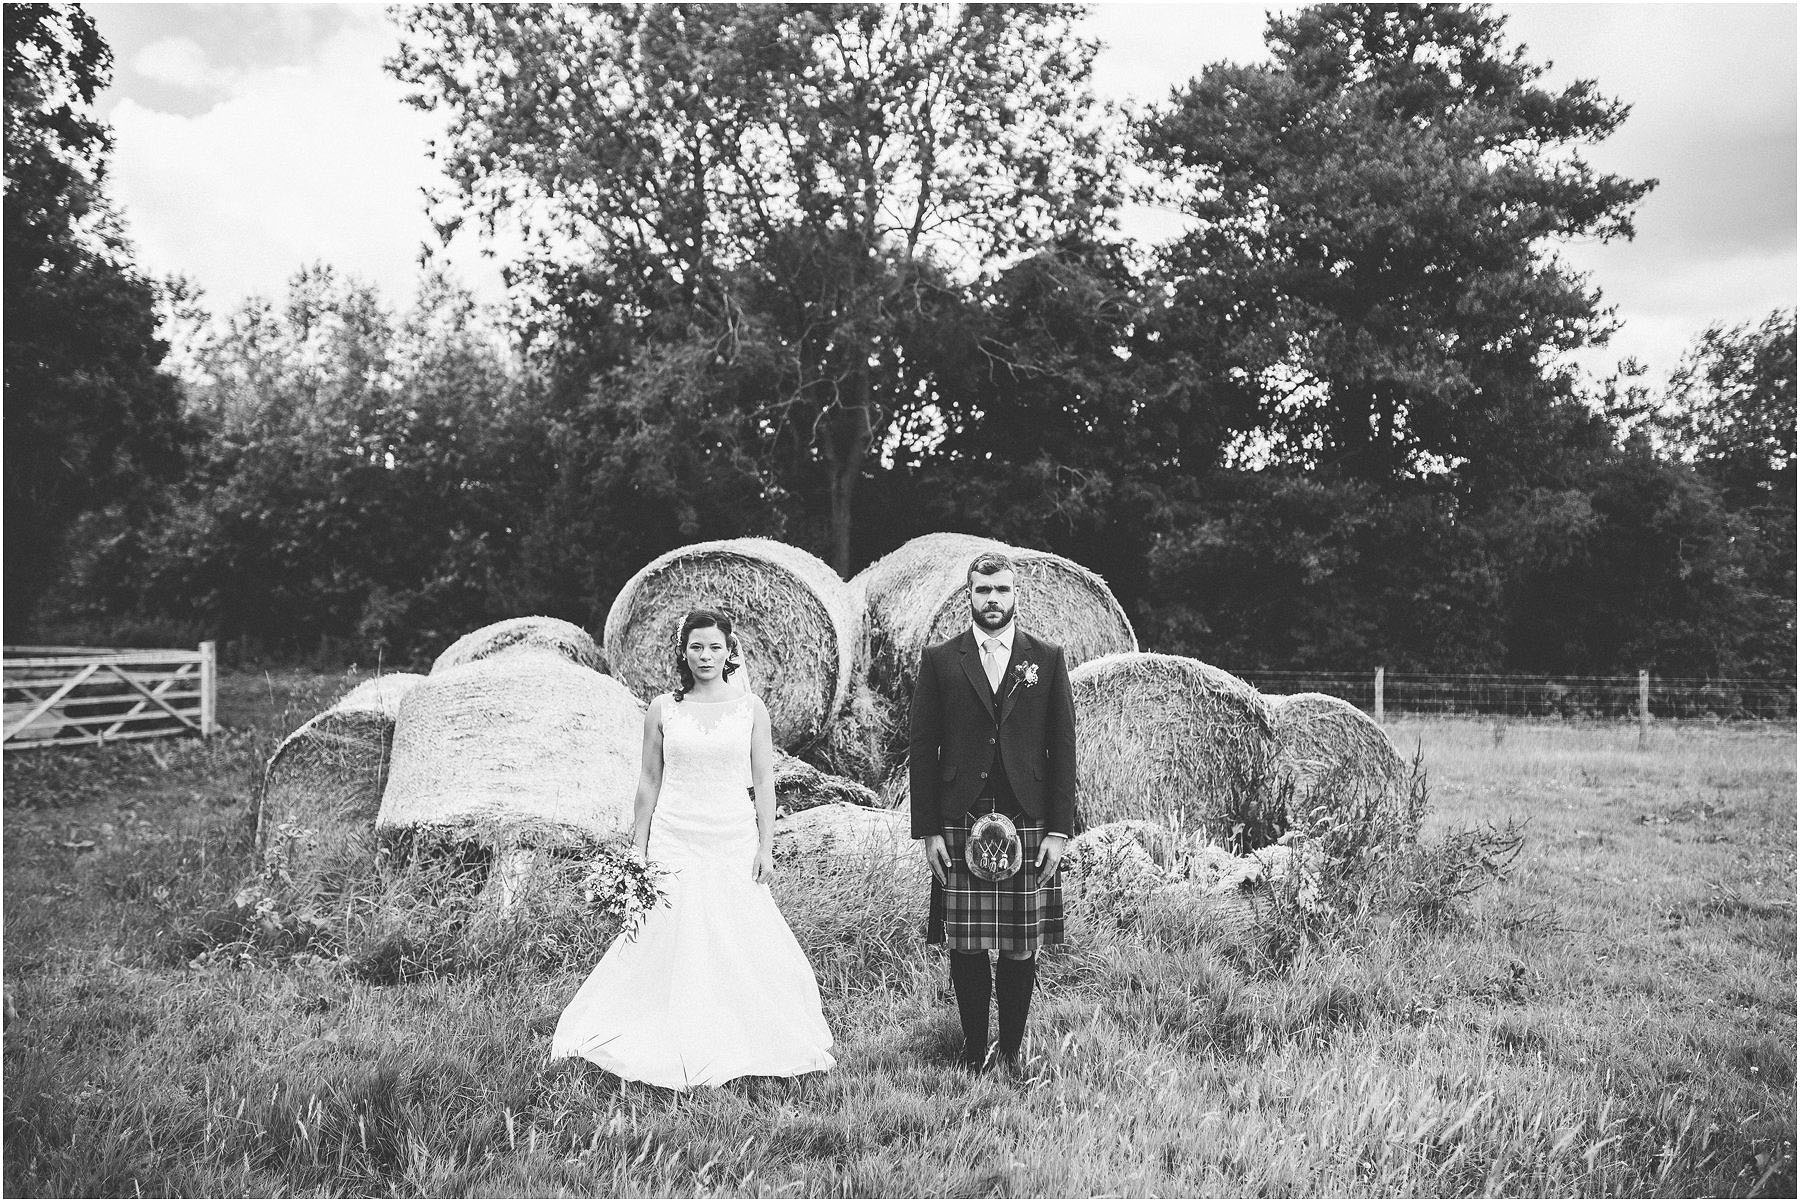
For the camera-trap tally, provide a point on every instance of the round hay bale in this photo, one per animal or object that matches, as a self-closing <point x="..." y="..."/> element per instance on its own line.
<point x="1109" y="869"/>
<point x="514" y="634"/>
<point x="1175" y="741"/>
<point x="1338" y="777"/>
<point x="1133" y="839"/>
<point x="1218" y="895"/>
<point x="383" y="693"/>
<point x="895" y="790"/>
<point x="918" y="594"/>
<point x="817" y="840"/>
<point x="1232" y="914"/>
<point x="328" y="775"/>
<point x="527" y="737"/>
<point x="800" y="786"/>
<point x="861" y="737"/>
<point x="794" y="618"/>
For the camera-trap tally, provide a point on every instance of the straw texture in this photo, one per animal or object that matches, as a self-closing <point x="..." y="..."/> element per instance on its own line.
<point x="793" y="615"/>
<point x="1109" y="869"/>
<point x="328" y="775"/>
<point x="834" y="838"/>
<point x="514" y="634"/>
<point x="1175" y="741"/>
<point x="1232" y="914"/>
<point x="1340" y="779"/>
<point x="800" y="786"/>
<point x="1123" y="871"/>
<point x="918" y="595"/>
<point x="526" y="736"/>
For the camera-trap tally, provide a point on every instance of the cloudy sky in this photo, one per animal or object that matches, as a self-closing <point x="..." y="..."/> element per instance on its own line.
<point x="254" y="138"/>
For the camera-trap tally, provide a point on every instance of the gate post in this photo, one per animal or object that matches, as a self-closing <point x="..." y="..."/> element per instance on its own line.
<point x="209" y="688"/>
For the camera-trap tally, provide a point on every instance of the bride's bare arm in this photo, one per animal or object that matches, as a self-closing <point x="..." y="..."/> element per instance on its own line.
<point x="649" y="778"/>
<point x="762" y="776"/>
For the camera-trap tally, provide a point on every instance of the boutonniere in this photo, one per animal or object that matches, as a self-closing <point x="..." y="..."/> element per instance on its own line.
<point x="1025" y="674"/>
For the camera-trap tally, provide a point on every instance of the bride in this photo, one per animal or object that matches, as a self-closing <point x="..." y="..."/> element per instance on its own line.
<point x="713" y="986"/>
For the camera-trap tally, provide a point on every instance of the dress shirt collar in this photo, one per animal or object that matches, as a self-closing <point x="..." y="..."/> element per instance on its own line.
<point x="1005" y="636"/>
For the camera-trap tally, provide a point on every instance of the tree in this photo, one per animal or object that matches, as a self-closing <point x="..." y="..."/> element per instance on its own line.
<point x="364" y="475"/>
<point x="1643" y="566"/>
<point x="1729" y="408"/>
<point x="1369" y="285"/>
<point x="90" y="419"/>
<point x="1275" y="568"/>
<point x="779" y="191"/>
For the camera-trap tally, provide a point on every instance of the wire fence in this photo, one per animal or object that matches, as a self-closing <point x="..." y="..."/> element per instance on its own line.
<point x="1528" y="696"/>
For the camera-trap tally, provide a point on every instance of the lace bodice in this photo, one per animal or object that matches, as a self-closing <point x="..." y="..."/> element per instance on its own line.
<point x="706" y="745"/>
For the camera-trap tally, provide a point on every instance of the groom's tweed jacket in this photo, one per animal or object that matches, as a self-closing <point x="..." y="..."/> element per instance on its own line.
<point x="962" y="735"/>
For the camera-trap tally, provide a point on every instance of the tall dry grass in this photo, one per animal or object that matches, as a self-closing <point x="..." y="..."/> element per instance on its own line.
<point x="1614" y="1015"/>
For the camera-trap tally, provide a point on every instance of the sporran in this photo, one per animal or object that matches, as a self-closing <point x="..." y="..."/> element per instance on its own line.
<point x="994" y="850"/>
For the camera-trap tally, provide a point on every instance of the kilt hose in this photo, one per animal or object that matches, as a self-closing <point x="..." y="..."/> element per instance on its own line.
<point x="1017" y="914"/>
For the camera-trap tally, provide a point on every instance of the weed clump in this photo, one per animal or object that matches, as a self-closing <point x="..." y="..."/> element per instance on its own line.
<point x="1327" y="885"/>
<point x="430" y="902"/>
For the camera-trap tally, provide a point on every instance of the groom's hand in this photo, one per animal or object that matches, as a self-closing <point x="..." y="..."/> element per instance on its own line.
<point x="937" y="855"/>
<point x="1050" y="854"/>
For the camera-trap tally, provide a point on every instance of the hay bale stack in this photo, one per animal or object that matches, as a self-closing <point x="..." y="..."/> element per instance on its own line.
<point x="328" y="775"/>
<point x="522" y="737"/>
<point x="800" y="786"/>
<point x="846" y="836"/>
<point x="918" y="595"/>
<point x="1337" y="775"/>
<point x="515" y="634"/>
<point x="1175" y="741"/>
<point x="794" y="618"/>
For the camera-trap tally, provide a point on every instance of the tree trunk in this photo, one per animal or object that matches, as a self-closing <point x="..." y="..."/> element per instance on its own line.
<point x="846" y="447"/>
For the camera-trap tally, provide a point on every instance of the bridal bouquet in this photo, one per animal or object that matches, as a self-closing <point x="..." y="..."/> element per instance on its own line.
<point x="618" y="883"/>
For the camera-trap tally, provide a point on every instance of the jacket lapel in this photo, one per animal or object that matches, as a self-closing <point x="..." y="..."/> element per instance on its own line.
<point x="971" y="666"/>
<point x="1009" y="684"/>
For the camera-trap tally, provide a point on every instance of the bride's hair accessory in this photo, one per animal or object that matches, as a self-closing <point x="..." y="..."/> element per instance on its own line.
<point x="700" y="619"/>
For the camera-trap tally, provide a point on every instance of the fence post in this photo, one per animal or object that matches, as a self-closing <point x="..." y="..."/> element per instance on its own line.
<point x="1643" y="709"/>
<point x="1380" y="707"/>
<point x="209" y="688"/>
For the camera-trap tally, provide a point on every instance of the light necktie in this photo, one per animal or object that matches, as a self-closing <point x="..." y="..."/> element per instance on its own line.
<point x="990" y="660"/>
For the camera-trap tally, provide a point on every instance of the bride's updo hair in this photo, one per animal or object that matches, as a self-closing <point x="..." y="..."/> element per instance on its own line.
<point x="700" y="619"/>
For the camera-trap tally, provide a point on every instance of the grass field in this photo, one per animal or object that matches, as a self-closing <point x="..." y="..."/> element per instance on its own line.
<point x="1616" y="1016"/>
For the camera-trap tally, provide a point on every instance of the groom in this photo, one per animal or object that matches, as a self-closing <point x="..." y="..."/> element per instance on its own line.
<point x="993" y="731"/>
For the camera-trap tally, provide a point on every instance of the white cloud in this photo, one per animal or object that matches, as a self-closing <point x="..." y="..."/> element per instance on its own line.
<point x="180" y="62"/>
<point x="308" y="153"/>
<point x="315" y="161"/>
<point x="1152" y="48"/>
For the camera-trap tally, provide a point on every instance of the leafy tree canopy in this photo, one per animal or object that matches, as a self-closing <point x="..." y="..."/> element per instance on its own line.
<point x="1730" y="406"/>
<point x="90" y="418"/>
<point x="1369" y="279"/>
<point x="782" y="193"/>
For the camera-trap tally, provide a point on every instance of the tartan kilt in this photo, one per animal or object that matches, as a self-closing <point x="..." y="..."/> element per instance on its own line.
<point x="1014" y="915"/>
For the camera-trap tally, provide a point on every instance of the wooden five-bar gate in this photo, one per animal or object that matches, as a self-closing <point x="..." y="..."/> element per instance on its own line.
<point x="67" y="695"/>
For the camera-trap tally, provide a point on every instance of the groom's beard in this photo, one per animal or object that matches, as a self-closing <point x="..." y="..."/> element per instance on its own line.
<point x="991" y="619"/>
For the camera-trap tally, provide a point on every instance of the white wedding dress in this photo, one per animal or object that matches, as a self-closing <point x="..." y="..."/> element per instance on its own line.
<point x="713" y="986"/>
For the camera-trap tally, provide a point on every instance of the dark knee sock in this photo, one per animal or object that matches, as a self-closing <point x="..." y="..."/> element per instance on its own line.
<point x="974" y="986"/>
<point x="1013" y="982"/>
